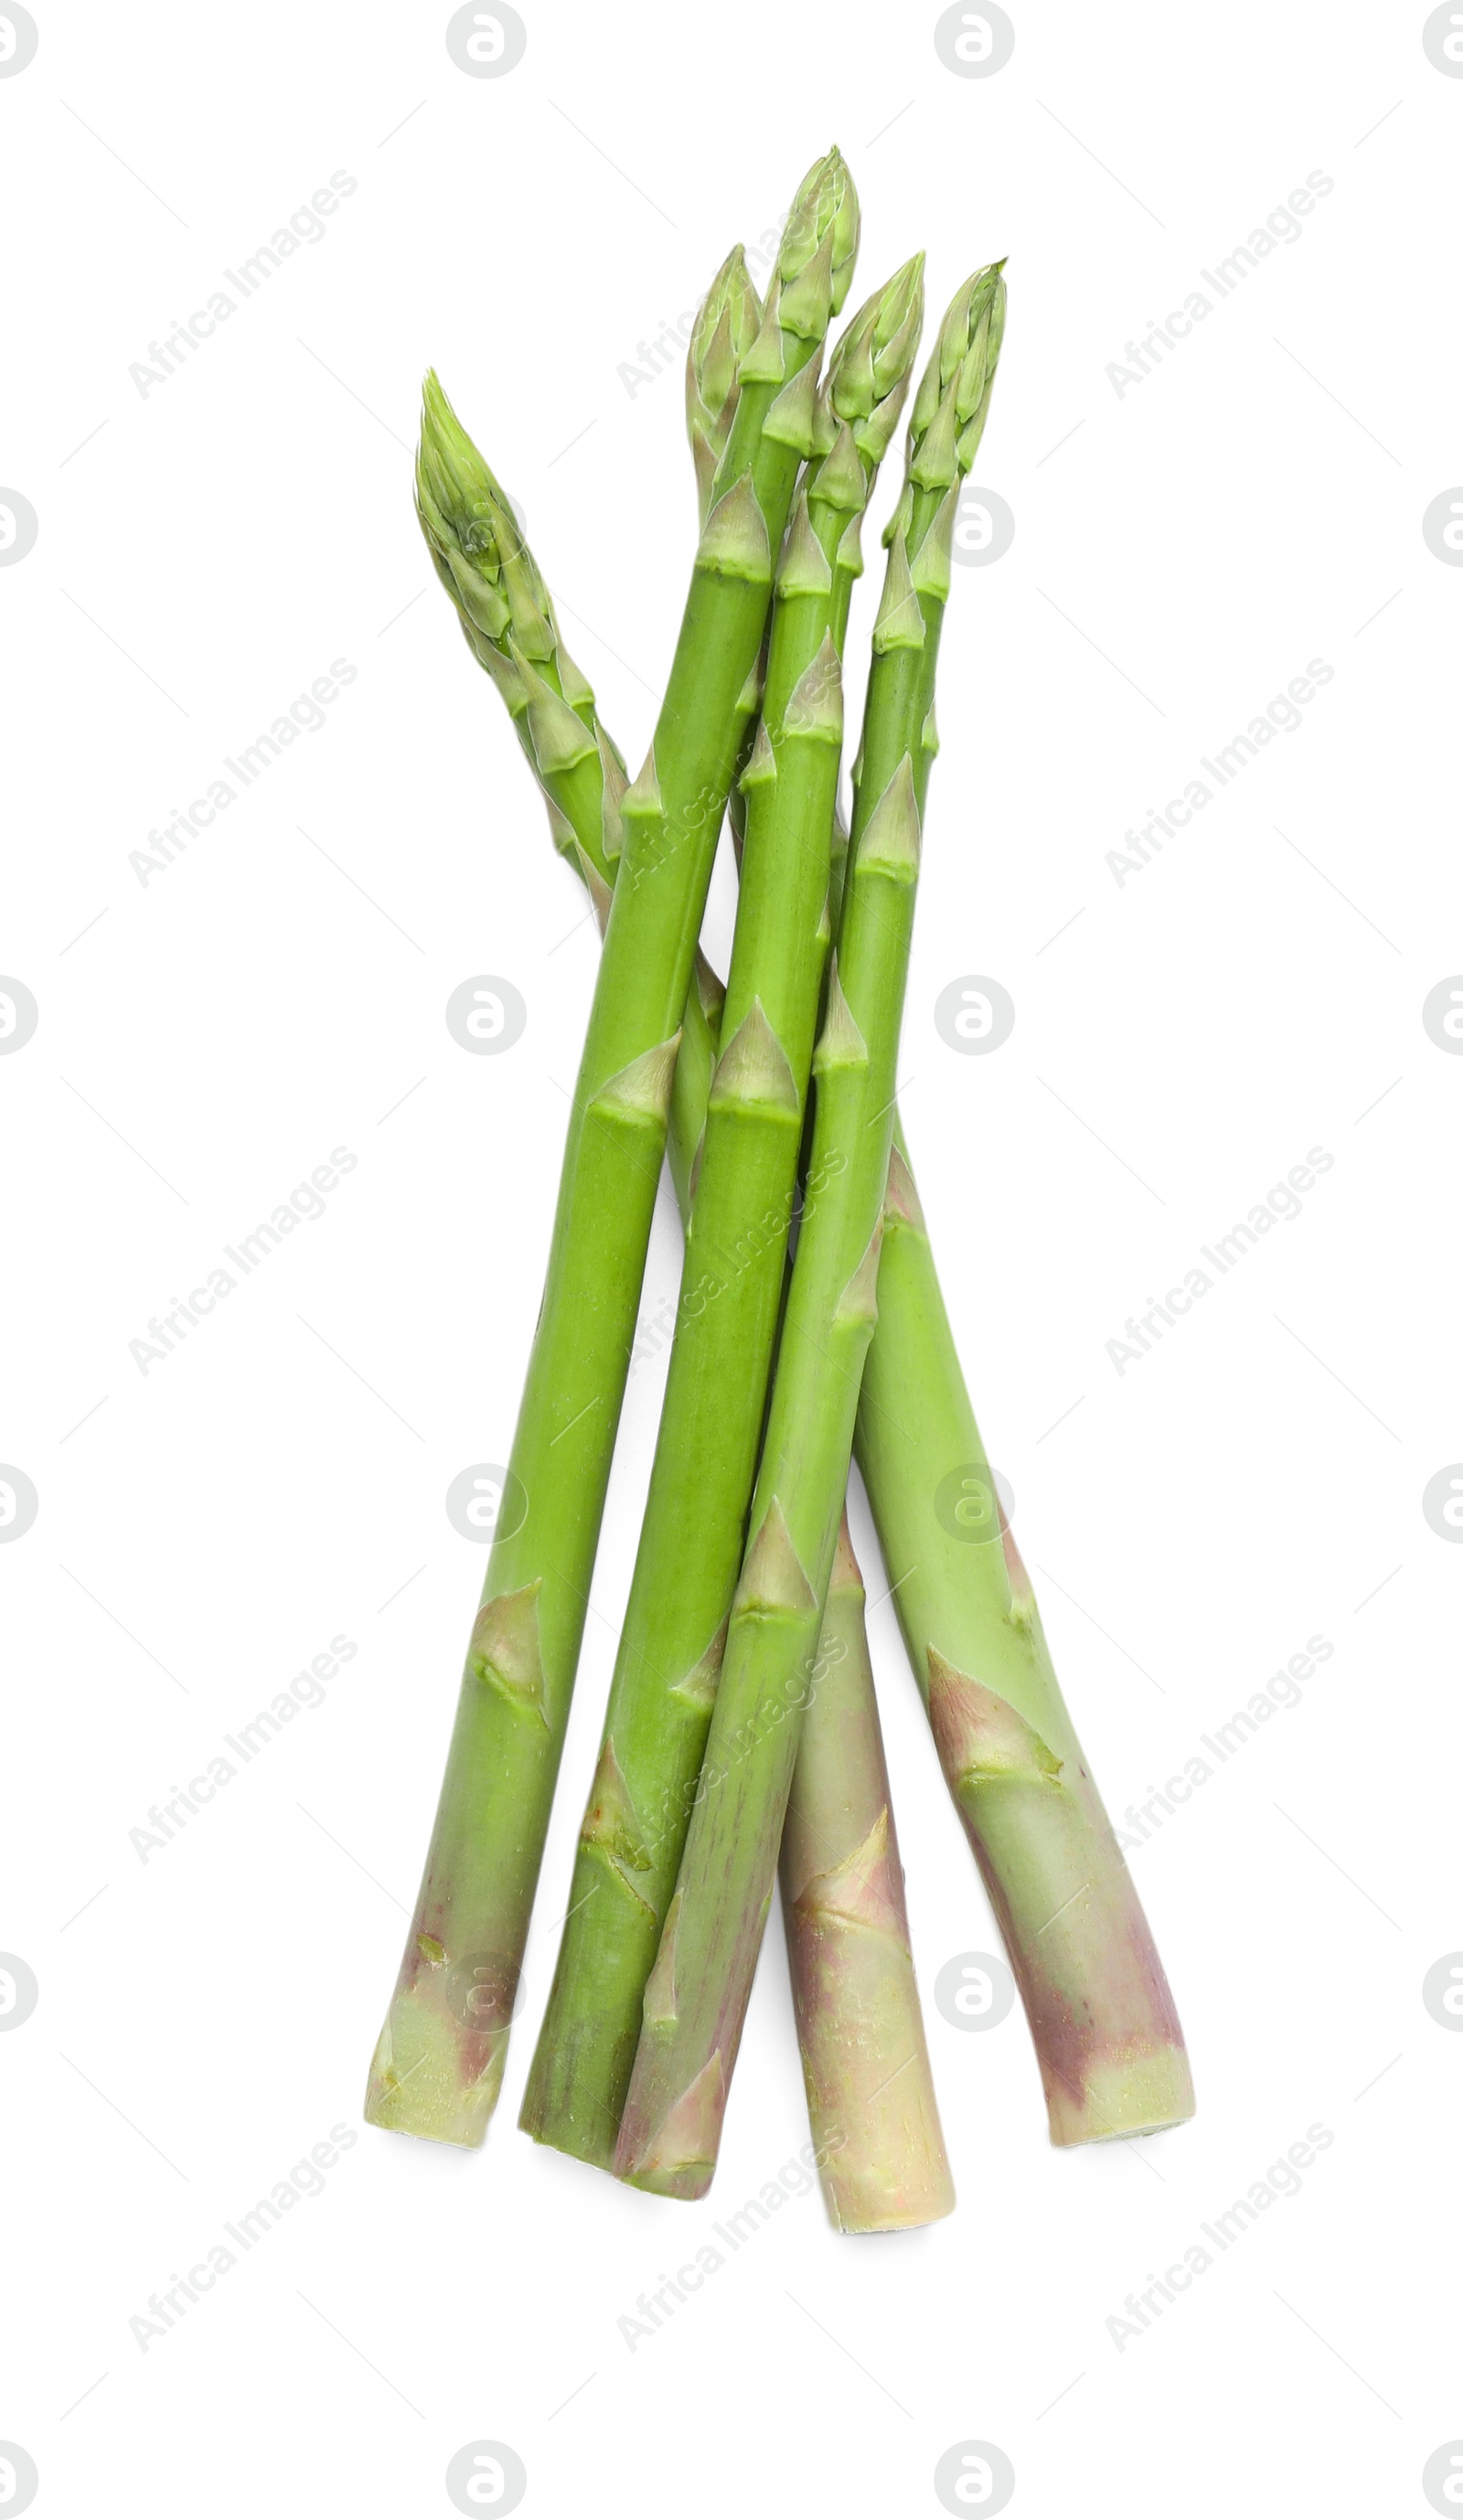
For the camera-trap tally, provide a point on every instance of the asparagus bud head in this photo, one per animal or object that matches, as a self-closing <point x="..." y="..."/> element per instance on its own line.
<point x="869" y="371"/>
<point x="819" y="243"/>
<point x="962" y="364"/>
<point x="726" y="328"/>
<point x="473" y="535"/>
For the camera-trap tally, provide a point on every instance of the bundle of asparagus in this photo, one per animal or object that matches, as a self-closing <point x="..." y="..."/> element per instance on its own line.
<point x="741" y="1716"/>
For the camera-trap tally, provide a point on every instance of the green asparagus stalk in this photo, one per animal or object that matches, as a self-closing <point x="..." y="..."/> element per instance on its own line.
<point x="510" y="623"/>
<point x="1103" y="2022"/>
<point x="439" y="2062"/>
<point x="1108" y="2041"/>
<point x="489" y="554"/>
<point x="697" y="1997"/>
<point x="670" y="1646"/>
<point x="866" y="2069"/>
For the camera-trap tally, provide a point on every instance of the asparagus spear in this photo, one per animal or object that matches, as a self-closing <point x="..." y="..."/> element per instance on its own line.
<point x="697" y="1997"/>
<point x="508" y="617"/>
<point x="439" y="2061"/>
<point x="865" y="2066"/>
<point x="1103" y="2022"/>
<point x="1107" y="2036"/>
<point x="670" y="1646"/>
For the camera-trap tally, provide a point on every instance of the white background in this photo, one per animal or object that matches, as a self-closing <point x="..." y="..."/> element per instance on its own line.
<point x="205" y="551"/>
